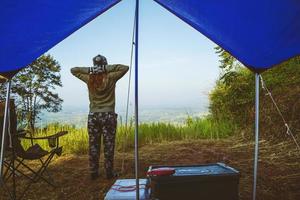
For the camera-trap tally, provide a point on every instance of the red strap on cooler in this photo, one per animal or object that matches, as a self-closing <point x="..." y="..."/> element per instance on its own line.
<point x="128" y="188"/>
<point x="164" y="171"/>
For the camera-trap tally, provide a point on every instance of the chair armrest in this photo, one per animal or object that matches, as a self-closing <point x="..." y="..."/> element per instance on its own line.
<point x="57" y="135"/>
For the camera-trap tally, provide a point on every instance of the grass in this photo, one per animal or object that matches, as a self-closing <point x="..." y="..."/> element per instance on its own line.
<point x="278" y="175"/>
<point x="76" y="142"/>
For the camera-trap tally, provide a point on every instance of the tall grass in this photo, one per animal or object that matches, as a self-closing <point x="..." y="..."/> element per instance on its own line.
<point x="76" y="141"/>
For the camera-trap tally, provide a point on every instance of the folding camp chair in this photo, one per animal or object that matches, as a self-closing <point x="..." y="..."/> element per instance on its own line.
<point x="16" y="156"/>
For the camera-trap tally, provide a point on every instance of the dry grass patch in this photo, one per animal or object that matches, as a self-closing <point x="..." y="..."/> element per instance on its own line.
<point x="279" y="168"/>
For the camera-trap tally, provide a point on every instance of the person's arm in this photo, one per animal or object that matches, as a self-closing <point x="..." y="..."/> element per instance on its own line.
<point x="116" y="71"/>
<point x="81" y="72"/>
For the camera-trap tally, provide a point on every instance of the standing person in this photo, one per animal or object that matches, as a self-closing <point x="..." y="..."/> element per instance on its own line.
<point x="102" y="120"/>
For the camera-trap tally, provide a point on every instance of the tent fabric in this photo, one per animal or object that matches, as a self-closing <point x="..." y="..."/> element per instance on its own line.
<point x="30" y="28"/>
<point x="259" y="33"/>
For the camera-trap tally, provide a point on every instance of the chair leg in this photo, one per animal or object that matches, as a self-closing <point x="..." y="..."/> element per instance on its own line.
<point x="10" y="168"/>
<point x="44" y="168"/>
<point x="46" y="171"/>
<point x="38" y="174"/>
<point x="20" y="162"/>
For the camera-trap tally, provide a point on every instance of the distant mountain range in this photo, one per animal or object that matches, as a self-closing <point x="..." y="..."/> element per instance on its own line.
<point x="76" y="115"/>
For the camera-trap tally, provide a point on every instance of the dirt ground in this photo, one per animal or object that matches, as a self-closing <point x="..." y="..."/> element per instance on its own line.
<point x="279" y="169"/>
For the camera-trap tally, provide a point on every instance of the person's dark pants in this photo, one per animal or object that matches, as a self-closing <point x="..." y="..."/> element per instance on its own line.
<point x="102" y="124"/>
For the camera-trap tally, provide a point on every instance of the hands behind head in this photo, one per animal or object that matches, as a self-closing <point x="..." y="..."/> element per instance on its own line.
<point x="98" y="69"/>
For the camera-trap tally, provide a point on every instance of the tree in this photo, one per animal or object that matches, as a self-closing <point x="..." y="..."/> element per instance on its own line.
<point x="228" y="65"/>
<point x="2" y="88"/>
<point x="233" y="99"/>
<point x="34" y="89"/>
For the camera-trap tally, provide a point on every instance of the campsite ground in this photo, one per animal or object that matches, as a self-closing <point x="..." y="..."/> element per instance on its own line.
<point x="279" y="168"/>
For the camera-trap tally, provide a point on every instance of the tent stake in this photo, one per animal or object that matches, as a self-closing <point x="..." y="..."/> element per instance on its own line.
<point x="256" y="133"/>
<point x="136" y="141"/>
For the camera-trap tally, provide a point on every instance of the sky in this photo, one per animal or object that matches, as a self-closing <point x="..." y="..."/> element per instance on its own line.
<point x="177" y="64"/>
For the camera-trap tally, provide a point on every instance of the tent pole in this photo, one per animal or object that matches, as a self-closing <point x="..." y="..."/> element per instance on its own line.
<point x="136" y="141"/>
<point x="5" y="126"/>
<point x="256" y="133"/>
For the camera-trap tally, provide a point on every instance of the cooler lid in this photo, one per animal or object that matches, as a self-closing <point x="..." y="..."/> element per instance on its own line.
<point x="207" y="170"/>
<point x="212" y="169"/>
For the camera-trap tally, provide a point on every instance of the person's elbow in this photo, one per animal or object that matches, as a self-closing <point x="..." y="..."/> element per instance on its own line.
<point x="125" y="68"/>
<point x="74" y="70"/>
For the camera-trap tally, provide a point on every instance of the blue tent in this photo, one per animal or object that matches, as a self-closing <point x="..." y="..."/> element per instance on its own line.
<point x="30" y="28"/>
<point x="259" y="33"/>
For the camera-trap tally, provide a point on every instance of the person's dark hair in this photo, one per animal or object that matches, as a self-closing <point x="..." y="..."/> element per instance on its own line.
<point x="97" y="80"/>
<point x="99" y="60"/>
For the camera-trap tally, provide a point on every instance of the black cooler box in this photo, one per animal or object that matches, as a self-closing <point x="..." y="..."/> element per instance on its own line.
<point x="196" y="182"/>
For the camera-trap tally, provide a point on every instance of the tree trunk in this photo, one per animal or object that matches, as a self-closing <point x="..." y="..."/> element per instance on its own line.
<point x="32" y="128"/>
<point x="31" y="123"/>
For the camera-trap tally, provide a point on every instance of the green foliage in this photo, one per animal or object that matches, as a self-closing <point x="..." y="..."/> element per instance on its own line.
<point x="234" y="94"/>
<point x="284" y="83"/>
<point x="2" y="90"/>
<point x="195" y="128"/>
<point x="228" y="64"/>
<point x="34" y="87"/>
<point x="198" y="128"/>
<point x="229" y="100"/>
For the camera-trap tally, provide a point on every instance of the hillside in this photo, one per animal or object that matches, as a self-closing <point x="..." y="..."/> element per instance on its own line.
<point x="233" y="98"/>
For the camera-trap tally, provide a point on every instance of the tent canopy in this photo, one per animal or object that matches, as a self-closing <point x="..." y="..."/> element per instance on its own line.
<point x="259" y="33"/>
<point x="30" y="28"/>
